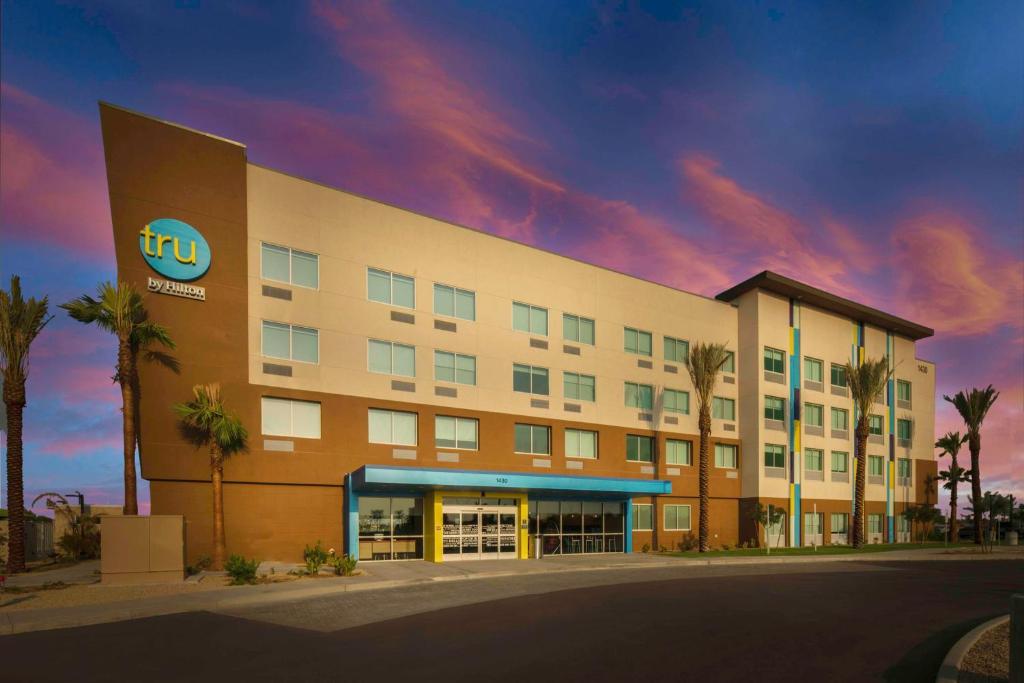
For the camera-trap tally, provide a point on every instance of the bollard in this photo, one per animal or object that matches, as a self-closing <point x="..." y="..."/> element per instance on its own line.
<point x="1017" y="639"/>
<point x="538" y="548"/>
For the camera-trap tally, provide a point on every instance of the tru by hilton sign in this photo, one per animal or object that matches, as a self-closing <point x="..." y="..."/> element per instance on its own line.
<point x="177" y="251"/>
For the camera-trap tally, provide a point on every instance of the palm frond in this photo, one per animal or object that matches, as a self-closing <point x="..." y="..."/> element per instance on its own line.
<point x="704" y="362"/>
<point x="21" y="321"/>
<point x="206" y="421"/>
<point x="973" y="406"/>
<point x="867" y="382"/>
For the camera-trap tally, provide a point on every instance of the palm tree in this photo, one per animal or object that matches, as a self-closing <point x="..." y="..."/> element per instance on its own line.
<point x="120" y="311"/>
<point x="703" y="363"/>
<point x="867" y="381"/>
<point x="206" y="422"/>
<point x="950" y="445"/>
<point x="21" y="321"/>
<point x="973" y="407"/>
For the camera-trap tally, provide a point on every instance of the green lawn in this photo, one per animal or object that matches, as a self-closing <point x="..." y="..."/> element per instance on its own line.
<point x="821" y="550"/>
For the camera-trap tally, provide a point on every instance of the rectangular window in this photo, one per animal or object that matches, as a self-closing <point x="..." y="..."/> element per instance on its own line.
<point x="902" y="390"/>
<point x="813" y="369"/>
<point x="390" y="288"/>
<point x="723" y="408"/>
<point x="578" y="329"/>
<point x="903" y="468"/>
<point x="637" y="341"/>
<point x="838" y="375"/>
<point x="903" y="430"/>
<point x="875" y="424"/>
<point x="530" y="319"/>
<point x="774" y="408"/>
<point x="814" y="459"/>
<point x="291" y="342"/>
<point x="730" y="362"/>
<point x="876" y="465"/>
<point x="580" y="443"/>
<point x="392" y="358"/>
<point x="454" y="367"/>
<point x="676" y="350"/>
<point x="529" y="379"/>
<point x="455" y="432"/>
<point x="579" y="387"/>
<point x="639" y="396"/>
<point x="840" y="419"/>
<point x="838" y="522"/>
<point x="535" y="439"/>
<point x="639" y="448"/>
<point x="454" y="302"/>
<point x="875" y="523"/>
<point x="725" y="455"/>
<point x="643" y="517"/>
<point x="840" y="461"/>
<point x="392" y="427"/>
<point x="287" y="417"/>
<point x="677" y="517"/>
<point x="678" y="452"/>
<point x="677" y="401"/>
<point x="814" y="415"/>
<point x="774" y="360"/>
<point x="774" y="456"/>
<point x="290" y="265"/>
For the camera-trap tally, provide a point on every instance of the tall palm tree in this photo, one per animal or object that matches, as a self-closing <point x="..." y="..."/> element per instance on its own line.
<point x="867" y="382"/>
<point x="120" y="310"/>
<point x="973" y="407"/>
<point x="704" y="363"/>
<point x="21" y="321"/>
<point x="206" y="422"/>
<point x="950" y="445"/>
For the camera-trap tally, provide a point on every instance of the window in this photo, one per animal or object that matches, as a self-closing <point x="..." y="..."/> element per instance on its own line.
<point x="639" y="396"/>
<point x="454" y="302"/>
<point x="813" y="369"/>
<point x="286" y="417"/>
<point x="903" y="468"/>
<point x="875" y="424"/>
<point x="903" y="390"/>
<point x="840" y="419"/>
<point x="290" y="265"/>
<point x="840" y="461"/>
<point x="291" y="342"/>
<point x="774" y="408"/>
<point x="578" y="329"/>
<point x="580" y="443"/>
<point x="639" y="448"/>
<point x="535" y="439"/>
<point x="390" y="528"/>
<point x="814" y="459"/>
<point x="643" y="517"/>
<point x="678" y="452"/>
<point x="529" y="379"/>
<point x="774" y="360"/>
<point x="676" y="350"/>
<point x="677" y="517"/>
<point x="723" y="408"/>
<point x="874" y="523"/>
<point x="839" y="522"/>
<point x="903" y="430"/>
<point x="390" y="288"/>
<point x="455" y="432"/>
<point x="725" y="455"/>
<point x="730" y="362"/>
<point x="392" y="358"/>
<point x="454" y="367"/>
<point x="637" y="341"/>
<point x="814" y="415"/>
<point x="774" y="456"/>
<point x="392" y="427"/>
<point x="677" y="401"/>
<point x="579" y="387"/>
<point x="838" y="375"/>
<point x="876" y="465"/>
<point x="531" y="319"/>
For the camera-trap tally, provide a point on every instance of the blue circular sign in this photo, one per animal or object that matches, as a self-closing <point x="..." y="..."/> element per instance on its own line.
<point x="174" y="249"/>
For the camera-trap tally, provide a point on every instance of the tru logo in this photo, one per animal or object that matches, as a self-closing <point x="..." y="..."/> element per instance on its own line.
<point x="174" y="249"/>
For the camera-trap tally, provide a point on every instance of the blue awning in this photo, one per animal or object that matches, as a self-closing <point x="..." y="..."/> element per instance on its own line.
<point x="379" y="478"/>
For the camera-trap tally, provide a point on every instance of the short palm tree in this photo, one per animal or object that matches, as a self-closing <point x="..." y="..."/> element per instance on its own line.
<point x="950" y="445"/>
<point x="206" y="422"/>
<point x="120" y="311"/>
<point x="21" y="321"/>
<point x="973" y="406"/>
<point x="704" y="363"/>
<point x="867" y="382"/>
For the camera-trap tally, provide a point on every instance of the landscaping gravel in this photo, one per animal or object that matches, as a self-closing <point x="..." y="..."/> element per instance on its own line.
<point x="989" y="660"/>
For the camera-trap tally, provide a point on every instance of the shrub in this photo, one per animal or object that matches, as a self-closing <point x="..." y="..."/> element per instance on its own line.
<point x="646" y="548"/>
<point x="203" y="563"/>
<point x="315" y="558"/>
<point x="241" y="570"/>
<point x="344" y="565"/>
<point x="689" y="542"/>
<point x="726" y="546"/>
<point x="82" y="539"/>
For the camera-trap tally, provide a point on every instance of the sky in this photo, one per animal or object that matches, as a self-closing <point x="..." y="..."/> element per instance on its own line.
<point x="871" y="149"/>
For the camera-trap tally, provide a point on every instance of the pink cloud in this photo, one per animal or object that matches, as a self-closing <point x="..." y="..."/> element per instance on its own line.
<point x="71" y="446"/>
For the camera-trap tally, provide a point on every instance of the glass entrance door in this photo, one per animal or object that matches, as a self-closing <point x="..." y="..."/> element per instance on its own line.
<point x="486" y="530"/>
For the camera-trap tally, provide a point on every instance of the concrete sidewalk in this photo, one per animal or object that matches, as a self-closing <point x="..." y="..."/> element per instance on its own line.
<point x="382" y="576"/>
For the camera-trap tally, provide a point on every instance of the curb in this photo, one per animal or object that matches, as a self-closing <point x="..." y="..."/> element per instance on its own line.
<point x="949" y="672"/>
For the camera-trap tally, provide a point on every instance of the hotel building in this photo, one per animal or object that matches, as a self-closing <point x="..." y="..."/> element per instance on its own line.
<point x="415" y="389"/>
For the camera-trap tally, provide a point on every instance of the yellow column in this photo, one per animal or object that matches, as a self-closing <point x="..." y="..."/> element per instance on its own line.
<point x="524" y="533"/>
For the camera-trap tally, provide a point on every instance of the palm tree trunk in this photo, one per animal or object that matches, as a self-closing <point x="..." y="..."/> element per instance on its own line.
<point x="124" y="376"/>
<point x="861" y="435"/>
<point x="974" y="443"/>
<point x="954" y="526"/>
<point x="14" y="398"/>
<point x="217" y="478"/>
<point x="705" y="476"/>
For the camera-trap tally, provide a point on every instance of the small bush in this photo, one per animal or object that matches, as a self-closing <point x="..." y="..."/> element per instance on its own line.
<point x="689" y="542"/>
<point x="241" y="570"/>
<point x="726" y="546"/>
<point x="646" y="548"/>
<point x="343" y="565"/>
<point x="315" y="558"/>
<point x="203" y="563"/>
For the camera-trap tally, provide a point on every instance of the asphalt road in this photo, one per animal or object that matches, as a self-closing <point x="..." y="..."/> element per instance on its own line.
<point x="857" y="622"/>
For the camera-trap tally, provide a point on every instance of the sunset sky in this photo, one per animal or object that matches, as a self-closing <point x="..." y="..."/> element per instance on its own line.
<point x="871" y="149"/>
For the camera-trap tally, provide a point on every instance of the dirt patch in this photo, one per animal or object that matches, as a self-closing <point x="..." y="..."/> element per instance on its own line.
<point x="43" y="597"/>
<point x="989" y="660"/>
